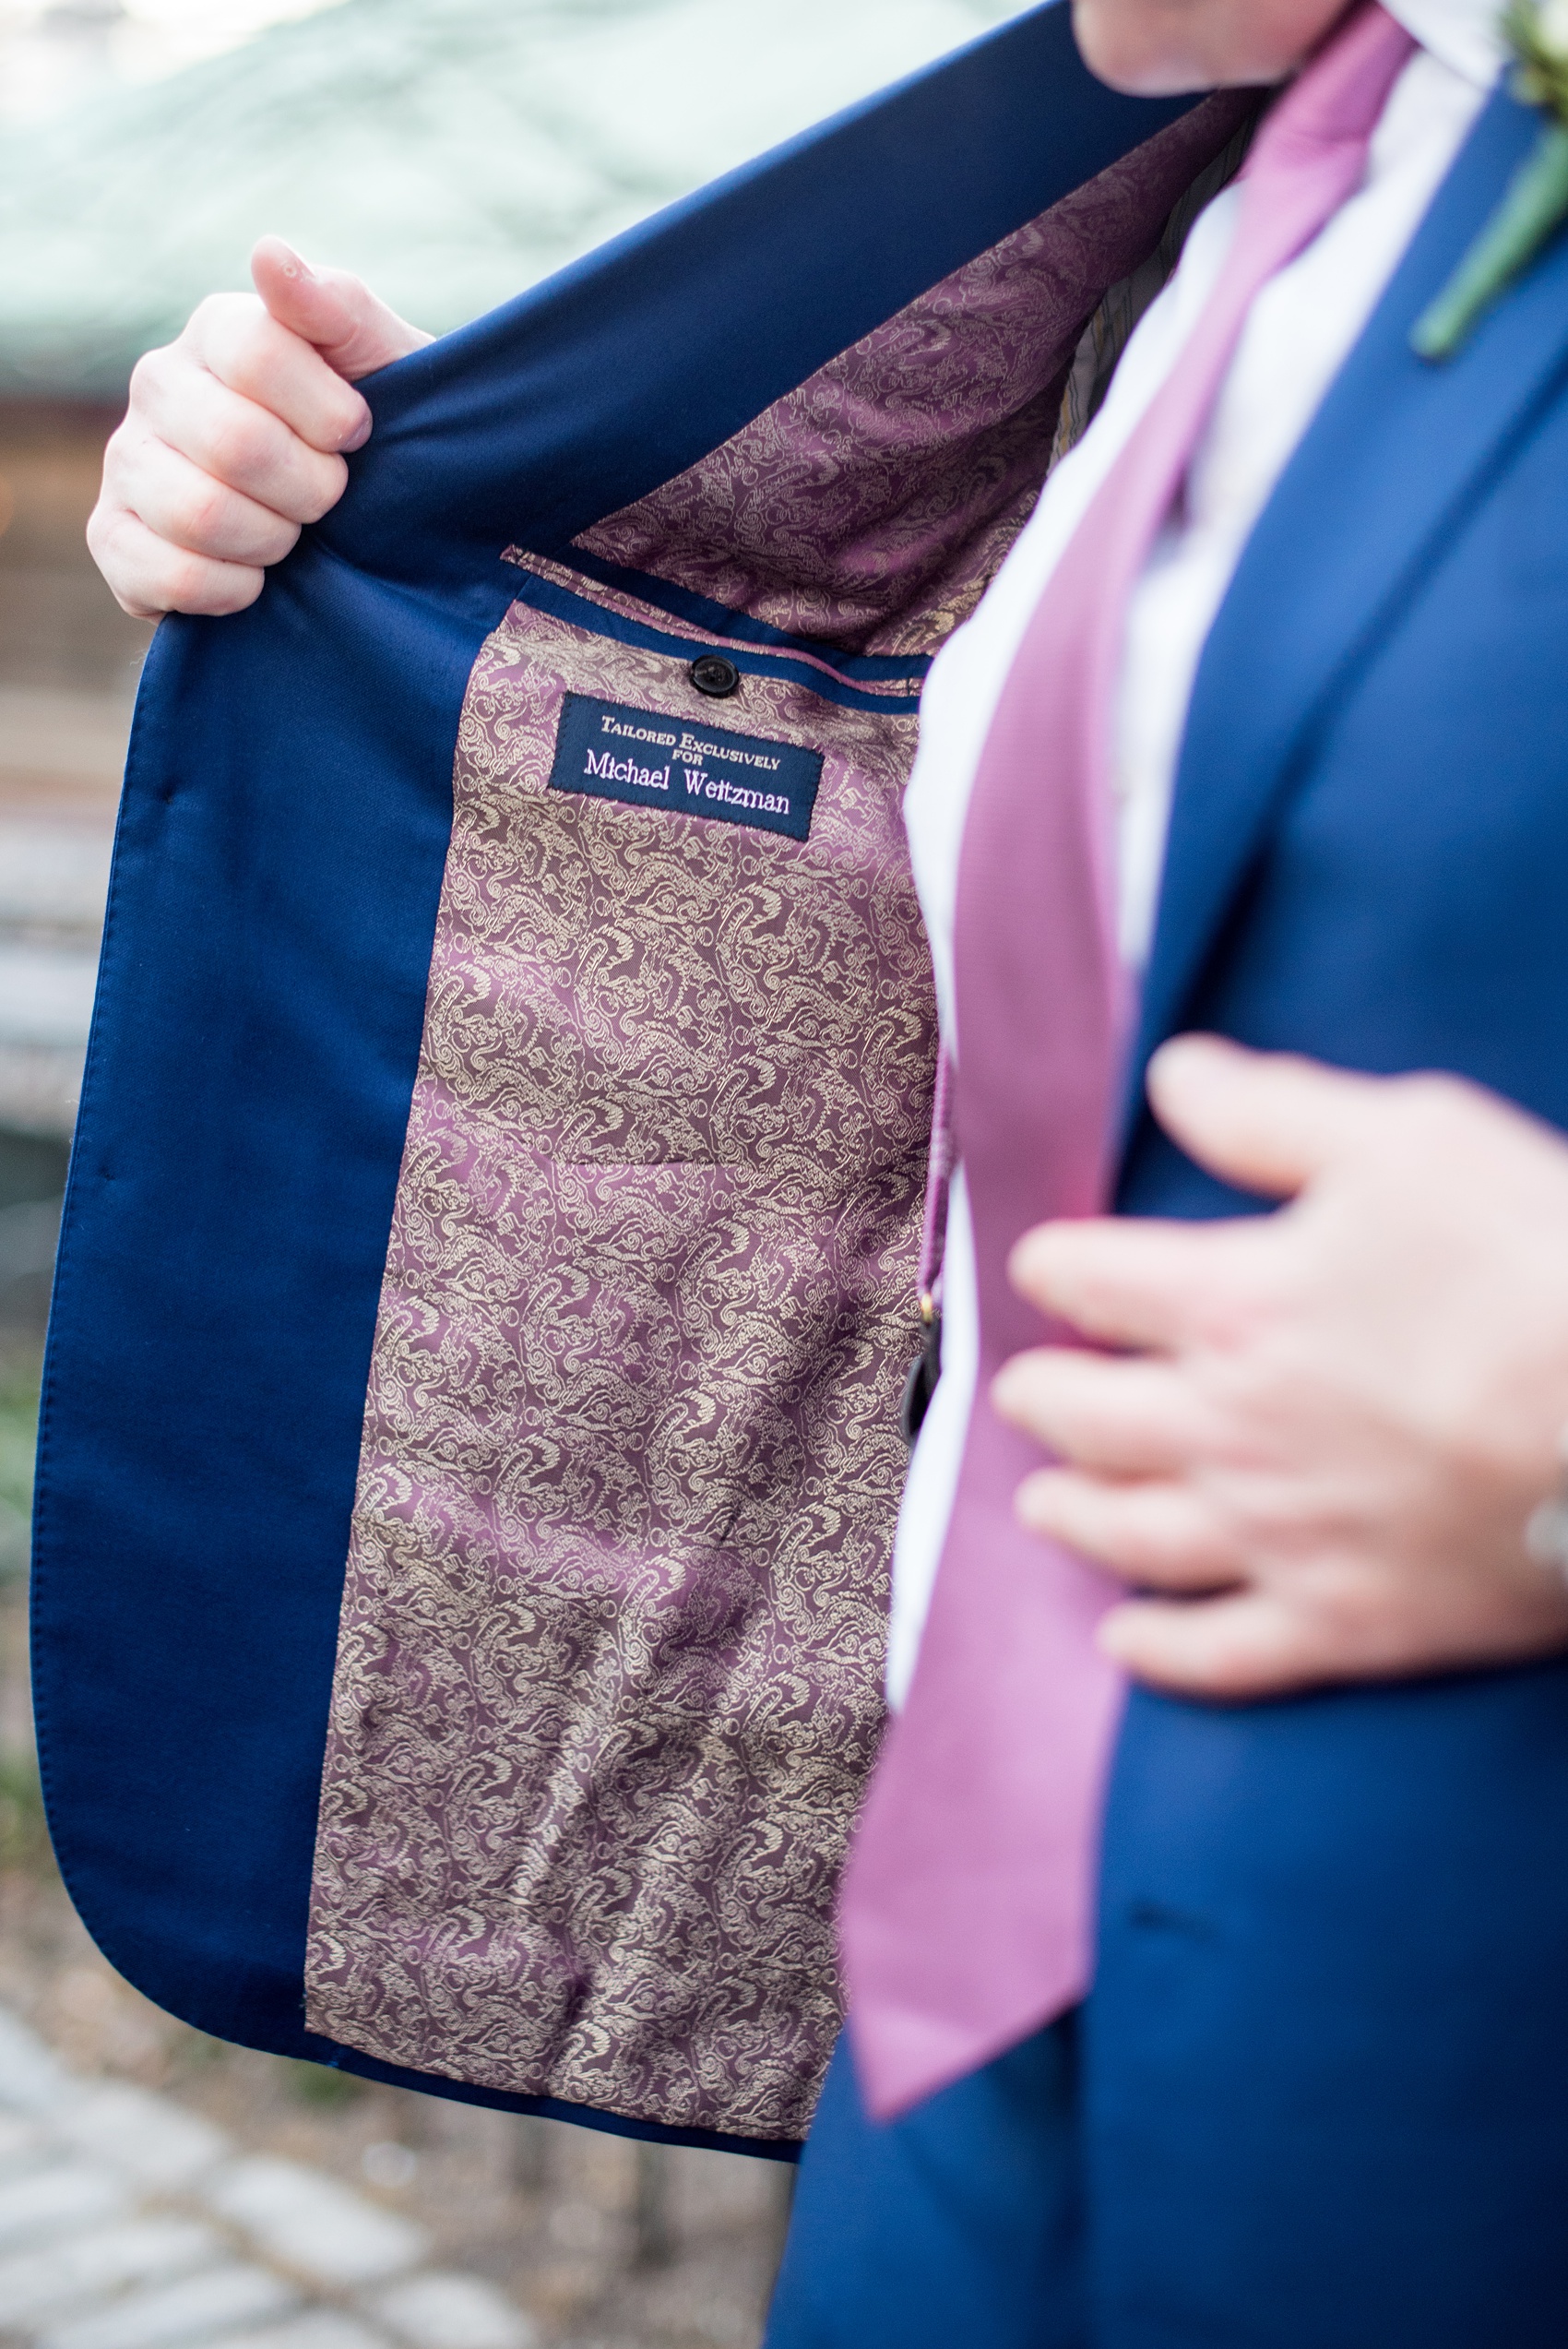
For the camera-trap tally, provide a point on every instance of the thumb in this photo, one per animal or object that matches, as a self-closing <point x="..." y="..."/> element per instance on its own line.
<point x="1267" y="1122"/>
<point x="354" y="332"/>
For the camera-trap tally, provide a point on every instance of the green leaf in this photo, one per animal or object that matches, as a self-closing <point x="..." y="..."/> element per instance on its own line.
<point x="1536" y="205"/>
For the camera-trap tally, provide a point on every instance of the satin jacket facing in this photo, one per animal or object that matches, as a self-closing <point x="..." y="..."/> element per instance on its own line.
<point x="471" y="1444"/>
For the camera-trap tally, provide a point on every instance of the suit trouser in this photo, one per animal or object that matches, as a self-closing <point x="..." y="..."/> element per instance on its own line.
<point x="1318" y="2098"/>
<point x="961" y="2224"/>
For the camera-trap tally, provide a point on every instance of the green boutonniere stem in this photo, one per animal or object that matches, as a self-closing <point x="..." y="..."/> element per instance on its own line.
<point x="1536" y="204"/>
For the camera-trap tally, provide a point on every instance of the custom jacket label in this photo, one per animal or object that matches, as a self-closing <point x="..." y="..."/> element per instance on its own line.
<point x="607" y="751"/>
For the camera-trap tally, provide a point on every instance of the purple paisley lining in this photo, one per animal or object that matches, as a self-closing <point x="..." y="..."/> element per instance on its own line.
<point x="608" y="1675"/>
<point x="872" y="508"/>
<point x="608" y="1680"/>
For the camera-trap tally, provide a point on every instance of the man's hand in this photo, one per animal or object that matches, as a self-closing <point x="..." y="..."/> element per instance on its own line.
<point x="1324" y="1431"/>
<point x="237" y="435"/>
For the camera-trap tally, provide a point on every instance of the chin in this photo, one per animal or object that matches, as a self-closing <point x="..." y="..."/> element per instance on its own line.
<point x="1120" y="51"/>
<point x="1154" y="51"/>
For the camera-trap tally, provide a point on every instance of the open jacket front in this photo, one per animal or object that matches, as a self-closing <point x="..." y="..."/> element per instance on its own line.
<point x="472" y="1445"/>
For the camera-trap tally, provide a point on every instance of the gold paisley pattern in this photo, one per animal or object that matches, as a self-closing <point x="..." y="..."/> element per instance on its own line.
<point x="872" y="508"/>
<point x="608" y="1682"/>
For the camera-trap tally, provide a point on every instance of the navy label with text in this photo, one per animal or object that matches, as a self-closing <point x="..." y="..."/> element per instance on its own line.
<point x="611" y="752"/>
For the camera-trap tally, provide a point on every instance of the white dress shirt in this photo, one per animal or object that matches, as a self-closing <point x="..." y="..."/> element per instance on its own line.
<point x="1299" y="331"/>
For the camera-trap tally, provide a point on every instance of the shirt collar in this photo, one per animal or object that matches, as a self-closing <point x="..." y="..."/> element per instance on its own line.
<point x="1465" y="34"/>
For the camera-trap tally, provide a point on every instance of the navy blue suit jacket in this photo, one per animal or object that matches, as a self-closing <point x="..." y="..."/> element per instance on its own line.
<point x="266" y="955"/>
<point x="1335" y="1964"/>
<point x="1365" y="863"/>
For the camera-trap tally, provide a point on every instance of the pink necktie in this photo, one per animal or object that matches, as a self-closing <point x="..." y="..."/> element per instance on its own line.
<point x="968" y="1906"/>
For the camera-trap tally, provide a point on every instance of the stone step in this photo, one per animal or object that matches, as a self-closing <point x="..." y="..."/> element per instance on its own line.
<point x="146" y="2138"/>
<point x="199" y="2308"/>
<point x="65" y="2199"/>
<point x="46" y="995"/>
<point x="257" y="2252"/>
<point x="22" y="2143"/>
<point x="39" y="2284"/>
<point x="312" y="2226"/>
<point x="317" y="2329"/>
<point x="31" y="2080"/>
<point x="53" y="875"/>
<point x="438" y="2311"/>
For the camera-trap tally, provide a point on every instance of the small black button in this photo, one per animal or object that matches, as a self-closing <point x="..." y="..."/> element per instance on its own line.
<point x="712" y="674"/>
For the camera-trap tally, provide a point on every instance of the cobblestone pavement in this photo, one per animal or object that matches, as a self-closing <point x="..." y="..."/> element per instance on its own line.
<point x="127" y="2223"/>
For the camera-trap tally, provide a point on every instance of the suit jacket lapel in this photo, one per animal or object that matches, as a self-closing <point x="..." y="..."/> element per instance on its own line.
<point x="1395" y="456"/>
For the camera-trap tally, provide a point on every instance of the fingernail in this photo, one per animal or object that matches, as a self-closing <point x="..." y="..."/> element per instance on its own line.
<point x="359" y="434"/>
